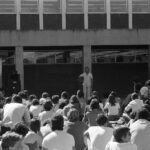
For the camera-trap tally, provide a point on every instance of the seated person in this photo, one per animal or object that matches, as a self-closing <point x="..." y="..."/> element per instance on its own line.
<point x="121" y="140"/>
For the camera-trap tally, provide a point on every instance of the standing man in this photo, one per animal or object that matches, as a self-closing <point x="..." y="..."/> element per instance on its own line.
<point x="87" y="82"/>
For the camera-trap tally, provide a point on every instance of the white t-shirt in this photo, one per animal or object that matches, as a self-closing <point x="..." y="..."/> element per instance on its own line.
<point x="87" y="78"/>
<point x="99" y="137"/>
<point x="45" y="115"/>
<point x="135" y="105"/>
<point x="112" y="110"/>
<point x="35" y="110"/>
<point x="120" y="146"/>
<point x="140" y="134"/>
<point x="15" y="112"/>
<point x="58" y="140"/>
<point x="144" y="91"/>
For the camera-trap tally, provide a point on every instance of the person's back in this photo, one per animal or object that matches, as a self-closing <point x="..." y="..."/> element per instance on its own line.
<point x="140" y="131"/>
<point x="58" y="139"/>
<point x="13" y="112"/>
<point x="76" y="128"/>
<point x="99" y="135"/>
<point x="121" y="140"/>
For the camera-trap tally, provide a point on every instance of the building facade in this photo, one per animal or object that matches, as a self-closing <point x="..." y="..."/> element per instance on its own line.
<point x="49" y="42"/>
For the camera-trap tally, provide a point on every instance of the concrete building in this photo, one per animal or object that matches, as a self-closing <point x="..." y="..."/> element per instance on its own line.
<point x="50" y="41"/>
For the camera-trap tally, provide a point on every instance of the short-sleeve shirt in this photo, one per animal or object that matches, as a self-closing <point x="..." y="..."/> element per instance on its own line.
<point x="58" y="140"/>
<point x="87" y="78"/>
<point x="112" y="110"/>
<point x="120" y="146"/>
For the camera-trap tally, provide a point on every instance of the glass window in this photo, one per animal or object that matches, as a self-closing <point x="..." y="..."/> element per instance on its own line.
<point x="119" y="56"/>
<point x="53" y="57"/>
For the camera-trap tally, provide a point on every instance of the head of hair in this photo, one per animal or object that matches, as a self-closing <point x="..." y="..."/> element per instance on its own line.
<point x="73" y="115"/>
<point x="65" y="95"/>
<point x="143" y="114"/>
<point x="94" y="104"/>
<point x="35" y="125"/>
<point x="137" y="87"/>
<point x="74" y="99"/>
<point x="8" y="100"/>
<point x="101" y="120"/>
<point x="45" y="95"/>
<point x="23" y="95"/>
<point x="62" y="104"/>
<point x="48" y="105"/>
<point x="21" y="129"/>
<point x="80" y="94"/>
<point x="35" y="102"/>
<point x="119" y="133"/>
<point x="55" y="99"/>
<point x="57" y="122"/>
<point x="111" y="100"/>
<point x="9" y="139"/>
<point x="147" y="83"/>
<point x="16" y="98"/>
<point x="134" y="96"/>
<point x="31" y="97"/>
<point x="114" y="93"/>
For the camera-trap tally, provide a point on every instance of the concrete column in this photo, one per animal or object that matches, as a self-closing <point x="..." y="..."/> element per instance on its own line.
<point x="130" y="24"/>
<point x="108" y="13"/>
<point x="149" y="61"/>
<point x="1" y="64"/>
<point x="87" y="57"/>
<point x="41" y="26"/>
<point x="19" y="64"/>
<point x="63" y="2"/>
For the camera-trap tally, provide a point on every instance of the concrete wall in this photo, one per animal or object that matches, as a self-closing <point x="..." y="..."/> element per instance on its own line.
<point x="80" y="38"/>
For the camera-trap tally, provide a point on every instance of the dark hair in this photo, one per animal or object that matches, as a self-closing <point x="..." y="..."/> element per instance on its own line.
<point x="35" y="125"/>
<point x="134" y="96"/>
<point x="147" y="83"/>
<point x="8" y="100"/>
<point x="73" y="115"/>
<point x="45" y="95"/>
<point x="35" y="102"/>
<point x="62" y="104"/>
<point x="32" y="96"/>
<point x="65" y="95"/>
<point x="119" y="133"/>
<point x="94" y="104"/>
<point x="9" y="139"/>
<point x="80" y="94"/>
<point x="101" y="120"/>
<point x="21" y="129"/>
<point x="17" y="99"/>
<point x="74" y="99"/>
<point x="143" y="114"/>
<point x="112" y="100"/>
<point x="57" y="122"/>
<point x="48" y="105"/>
<point x="22" y="94"/>
<point x="55" y="99"/>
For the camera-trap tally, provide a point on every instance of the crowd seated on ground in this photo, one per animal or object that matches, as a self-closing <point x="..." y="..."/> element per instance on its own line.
<point x="63" y="122"/>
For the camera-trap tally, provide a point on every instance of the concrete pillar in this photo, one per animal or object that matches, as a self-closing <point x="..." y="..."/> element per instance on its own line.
<point x="19" y="64"/>
<point x="149" y="61"/>
<point x="1" y="64"/>
<point x="87" y="57"/>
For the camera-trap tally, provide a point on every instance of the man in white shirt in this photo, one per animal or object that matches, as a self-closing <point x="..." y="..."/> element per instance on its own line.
<point x="96" y="137"/>
<point x="140" y="131"/>
<point x="58" y="139"/>
<point x="87" y="82"/>
<point x="121" y="140"/>
<point x="15" y="112"/>
<point x="135" y="105"/>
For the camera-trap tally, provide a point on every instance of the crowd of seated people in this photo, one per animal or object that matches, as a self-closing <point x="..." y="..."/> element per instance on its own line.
<point x="63" y="122"/>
